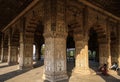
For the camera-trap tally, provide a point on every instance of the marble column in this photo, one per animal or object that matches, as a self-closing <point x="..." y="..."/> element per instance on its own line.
<point x="108" y="47"/>
<point x="105" y="52"/>
<point x="26" y="53"/>
<point x="5" y="54"/>
<point x="81" y="58"/>
<point x="2" y="50"/>
<point x="2" y="54"/>
<point x="21" y="52"/>
<point x="101" y="54"/>
<point x="55" y="57"/>
<point x="118" y="44"/>
<point x="119" y="55"/>
<point x="12" y="55"/>
<point x="114" y="52"/>
<point x="12" y="51"/>
<point x="55" y="33"/>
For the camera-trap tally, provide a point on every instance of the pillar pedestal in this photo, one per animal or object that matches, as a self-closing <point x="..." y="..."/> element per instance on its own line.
<point x="26" y="57"/>
<point x="81" y="71"/>
<point x="81" y="58"/>
<point x="25" y="53"/>
<point x="4" y="54"/>
<point x="105" y="51"/>
<point x="2" y="49"/>
<point x="12" y="55"/>
<point x="55" y="57"/>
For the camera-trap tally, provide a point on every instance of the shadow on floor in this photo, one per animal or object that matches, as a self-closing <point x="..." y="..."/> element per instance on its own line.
<point x="38" y="64"/>
<point x="108" y="78"/>
<point x="58" y="81"/>
<point x="6" y="65"/>
<point x="12" y="74"/>
<point x="118" y="72"/>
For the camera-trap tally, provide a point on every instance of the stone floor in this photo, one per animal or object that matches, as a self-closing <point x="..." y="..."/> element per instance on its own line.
<point x="12" y="74"/>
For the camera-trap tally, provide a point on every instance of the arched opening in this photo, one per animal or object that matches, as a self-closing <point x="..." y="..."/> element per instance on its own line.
<point x="70" y="53"/>
<point x="93" y="48"/>
<point x="39" y="45"/>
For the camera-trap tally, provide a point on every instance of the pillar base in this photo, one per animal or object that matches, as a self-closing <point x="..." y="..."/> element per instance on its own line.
<point x="12" y="63"/>
<point x="81" y="71"/>
<point x="55" y="78"/>
<point x="25" y="67"/>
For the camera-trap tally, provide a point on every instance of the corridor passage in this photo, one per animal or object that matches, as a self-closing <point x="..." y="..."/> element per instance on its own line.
<point x="11" y="74"/>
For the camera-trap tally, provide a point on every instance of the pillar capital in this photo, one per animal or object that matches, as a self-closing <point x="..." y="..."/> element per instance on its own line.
<point x="55" y="56"/>
<point x="55" y="35"/>
<point x="78" y="37"/>
<point x="104" y="40"/>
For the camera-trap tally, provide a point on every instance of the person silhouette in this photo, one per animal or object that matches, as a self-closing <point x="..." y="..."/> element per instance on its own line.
<point x="103" y="69"/>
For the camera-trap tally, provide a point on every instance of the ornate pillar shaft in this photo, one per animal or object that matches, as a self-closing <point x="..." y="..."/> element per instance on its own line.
<point x="55" y="34"/>
<point x="118" y="44"/>
<point x="5" y="54"/>
<point x="2" y="50"/>
<point x="26" y="52"/>
<point x="81" y="59"/>
<point x="101" y="54"/>
<point x="21" y="52"/>
<point x="2" y="54"/>
<point x="119" y="55"/>
<point x="105" y="52"/>
<point x="12" y="51"/>
<point x="12" y="55"/>
<point x="55" y="57"/>
<point x="114" y="52"/>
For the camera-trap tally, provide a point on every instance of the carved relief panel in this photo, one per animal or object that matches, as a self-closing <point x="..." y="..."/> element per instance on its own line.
<point x="60" y="54"/>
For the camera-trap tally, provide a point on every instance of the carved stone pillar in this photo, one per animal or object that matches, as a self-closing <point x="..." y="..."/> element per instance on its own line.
<point x="5" y="54"/>
<point x="12" y="55"/>
<point x="21" y="52"/>
<point x="101" y="54"/>
<point x="26" y="52"/>
<point x="119" y="55"/>
<point x="12" y="51"/>
<point x="81" y="58"/>
<point x="55" y="34"/>
<point x="105" y="51"/>
<point x="114" y="52"/>
<point x="119" y="44"/>
<point x="2" y="50"/>
<point x="55" y="56"/>
<point x="2" y="54"/>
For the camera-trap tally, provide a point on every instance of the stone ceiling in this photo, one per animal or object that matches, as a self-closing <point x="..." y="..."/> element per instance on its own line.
<point x="9" y="9"/>
<point x="112" y="6"/>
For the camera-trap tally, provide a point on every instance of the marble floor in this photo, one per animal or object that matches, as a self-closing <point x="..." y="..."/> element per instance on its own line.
<point x="12" y="74"/>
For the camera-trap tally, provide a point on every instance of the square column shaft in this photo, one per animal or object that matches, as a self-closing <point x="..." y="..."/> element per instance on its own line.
<point x="55" y="58"/>
<point x="25" y="53"/>
<point x="12" y="55"/>
<point x="81" y="58"/>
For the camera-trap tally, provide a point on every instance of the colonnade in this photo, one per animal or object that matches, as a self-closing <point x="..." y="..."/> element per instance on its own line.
<point x="55" y="34"/>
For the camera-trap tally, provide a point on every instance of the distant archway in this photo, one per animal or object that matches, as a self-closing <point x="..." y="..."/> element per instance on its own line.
<point x="93" y="47"/>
